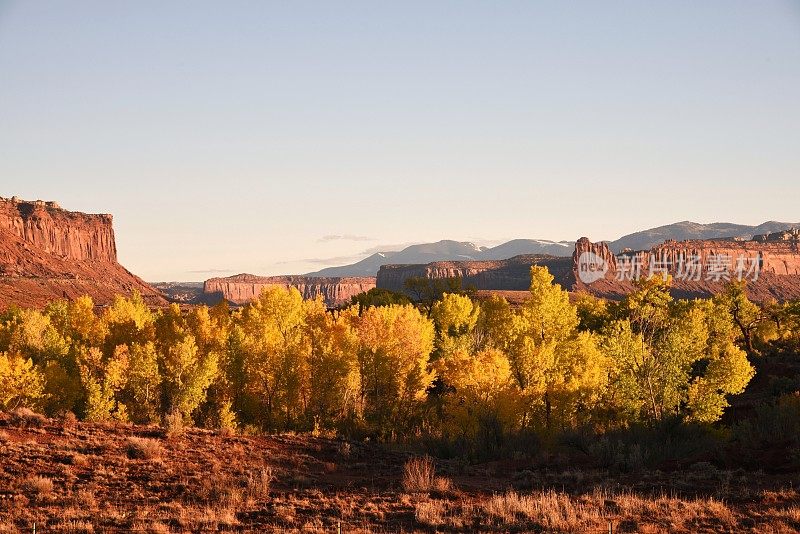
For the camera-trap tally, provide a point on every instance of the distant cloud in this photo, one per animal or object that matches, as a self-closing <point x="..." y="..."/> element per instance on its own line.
<point x="210" y="271"/>
<point x="389" y="248"/>
<point x="344" y="237"/>
<point x="324" y="261"/>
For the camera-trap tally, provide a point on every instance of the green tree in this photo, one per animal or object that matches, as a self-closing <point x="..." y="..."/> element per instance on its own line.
<point x="426" y="291"/>
<point x="378" y="297"/>
<point x="745" y="314"/>
<point x="143" y="389"/>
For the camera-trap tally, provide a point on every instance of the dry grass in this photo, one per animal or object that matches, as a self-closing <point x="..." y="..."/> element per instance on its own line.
<point x="259" y="483"/>
<point x="419" y="476"/>
<point x="144" y="449"/>
<point x="78" y="460"/>
<point x="431" y="512"/>
<point x="556" y="511"/>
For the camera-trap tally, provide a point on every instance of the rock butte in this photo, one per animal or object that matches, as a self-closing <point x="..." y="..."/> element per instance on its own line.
<point x="243" y="288"/>
<point x="47" y="252"/>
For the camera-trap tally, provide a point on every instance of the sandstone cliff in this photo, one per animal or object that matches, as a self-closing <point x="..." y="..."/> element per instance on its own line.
<point x="699" y="268"/>
<point x="47" y="253"/>
<point x="243" y="288"/>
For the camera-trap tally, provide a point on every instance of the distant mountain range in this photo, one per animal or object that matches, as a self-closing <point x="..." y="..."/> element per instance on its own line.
<point x="448" y="250"/>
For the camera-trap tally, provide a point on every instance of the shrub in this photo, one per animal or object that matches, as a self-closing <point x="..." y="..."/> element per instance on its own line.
<point x="173" y="424"/>
<point x="419" y="476"/>
<point x="26" y="418"/>
<point x="68" y="419"/>
<point x="144" y="449"/>
<point x="772" y="424"/>
<point x="37" y="486"/>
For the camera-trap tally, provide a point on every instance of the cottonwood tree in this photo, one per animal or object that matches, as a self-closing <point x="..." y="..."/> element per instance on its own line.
<point x="395" y="343"/>
<point x="482" y="401"/>
<point x="454" y="317"/>
<point x="276" y="355"/>
<point x="143" y="389"/>
<point x="673" y="358"/>
<point x="334" y="381"/>
<point x="746" y="315"/>
<point x="551" y="363"/>
<point x="21" y="383"/>
<point x="102" y="378"/>
<point x="186" y="375"/>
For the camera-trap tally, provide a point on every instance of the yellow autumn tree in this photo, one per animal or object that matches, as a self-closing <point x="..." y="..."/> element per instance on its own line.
<point x="394" y="344"/>
<point x="495" y="325"/>
<point x="482" y="400"/>
<point x="102" y="378"/>
<point x="674" y="358"/>
<point x="210" y="328"/>
<point x="334" y="382"/>
<point x="726" y="368"/>
<point x="186" y="375"/>
<point x="455" y="317"/>
<point x="552" y="364"/>
<point x="276" y="353"/>
<point x="143" y="388"/>
<point x="32" y="334"/>
<point x="76" y="321"/>
<point x="128" y="320"/>
<point x="21" y="383"/>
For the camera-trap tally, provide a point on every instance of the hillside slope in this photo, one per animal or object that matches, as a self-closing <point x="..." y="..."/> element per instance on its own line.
<point x="66" y="476"/>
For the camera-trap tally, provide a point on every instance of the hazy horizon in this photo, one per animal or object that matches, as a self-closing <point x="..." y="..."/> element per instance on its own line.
<point x="283" y="138"/>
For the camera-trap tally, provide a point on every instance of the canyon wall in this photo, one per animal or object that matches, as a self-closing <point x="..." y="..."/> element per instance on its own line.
<point x="47" y="252"/>
<point x="243" y="288"/>
<point x="698" y="268"/>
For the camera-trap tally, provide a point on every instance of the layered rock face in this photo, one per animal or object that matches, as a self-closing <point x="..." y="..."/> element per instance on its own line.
<point x="47" y="253"/>
<point x="76" y="236"/>
<point x="243" y="288"/>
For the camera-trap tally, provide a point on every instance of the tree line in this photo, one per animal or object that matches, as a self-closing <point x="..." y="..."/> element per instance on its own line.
<point x="457" y="368"/>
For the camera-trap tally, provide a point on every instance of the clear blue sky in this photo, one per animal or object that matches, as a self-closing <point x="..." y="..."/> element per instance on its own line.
<point x="234" y="136"/>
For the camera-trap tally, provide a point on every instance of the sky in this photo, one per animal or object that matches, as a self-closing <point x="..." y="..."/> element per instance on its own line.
<point x="282" y="137"/>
